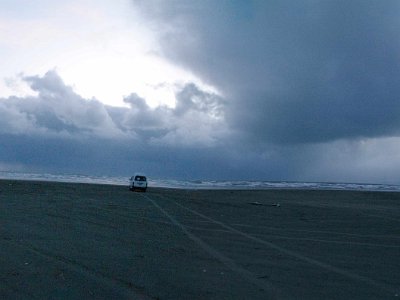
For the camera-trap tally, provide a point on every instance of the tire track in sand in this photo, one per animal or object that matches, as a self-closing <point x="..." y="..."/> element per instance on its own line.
<point x="249" y="276"/>
<point x="328" y="267"/>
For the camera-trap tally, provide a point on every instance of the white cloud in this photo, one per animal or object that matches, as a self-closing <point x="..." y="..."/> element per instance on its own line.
<point x="56" y="109"/>
<point x="13" y="121"/>
<point x="101" y="48"/>
<point x="60" y="131"/>
<point x="196" y="120"/>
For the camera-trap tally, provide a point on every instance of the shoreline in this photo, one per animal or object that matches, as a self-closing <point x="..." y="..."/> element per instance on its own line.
<point x="323" y="186"/>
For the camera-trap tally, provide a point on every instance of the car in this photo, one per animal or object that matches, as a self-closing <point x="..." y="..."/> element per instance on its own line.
<point x="138" y="182"/>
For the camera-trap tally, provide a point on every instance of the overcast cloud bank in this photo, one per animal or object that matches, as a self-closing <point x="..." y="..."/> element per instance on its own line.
<point x="57" y="129"/>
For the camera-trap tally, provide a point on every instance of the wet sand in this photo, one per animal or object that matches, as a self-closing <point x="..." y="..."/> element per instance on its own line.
<point x="81" y="241"/>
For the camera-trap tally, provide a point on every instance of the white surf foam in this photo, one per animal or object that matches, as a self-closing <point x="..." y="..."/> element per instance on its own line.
<point x="201" y="184"/>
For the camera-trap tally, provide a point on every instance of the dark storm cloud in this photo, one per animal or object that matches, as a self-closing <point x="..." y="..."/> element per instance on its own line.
<point x="292" y="71"/>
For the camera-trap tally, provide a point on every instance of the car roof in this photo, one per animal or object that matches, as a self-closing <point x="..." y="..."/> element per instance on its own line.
<point x="138" y="174"/>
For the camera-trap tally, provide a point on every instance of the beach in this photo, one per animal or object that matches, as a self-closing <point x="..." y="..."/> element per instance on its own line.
<point x="92" y="241"/>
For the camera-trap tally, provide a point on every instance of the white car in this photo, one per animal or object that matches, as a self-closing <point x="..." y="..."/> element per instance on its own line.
<point x="138" y="182"/>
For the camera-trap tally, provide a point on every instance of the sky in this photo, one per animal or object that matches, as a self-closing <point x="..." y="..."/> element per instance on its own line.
<point x="221" y="90"/>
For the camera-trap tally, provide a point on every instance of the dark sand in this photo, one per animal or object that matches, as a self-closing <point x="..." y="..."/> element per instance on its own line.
<point x="78" y="241"/>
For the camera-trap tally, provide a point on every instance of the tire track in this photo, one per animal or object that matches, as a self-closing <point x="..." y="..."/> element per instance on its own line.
<point x="287" y="238"/>
<point x="325" y="232"/>
<point x="328" y="267"/>
<point x="249" y="276"/>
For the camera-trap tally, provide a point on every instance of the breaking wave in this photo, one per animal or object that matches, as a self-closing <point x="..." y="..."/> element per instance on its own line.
<point x="201" y="184"/>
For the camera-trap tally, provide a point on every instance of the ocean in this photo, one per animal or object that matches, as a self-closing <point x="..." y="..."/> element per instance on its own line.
<point x="201" y="184"/>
